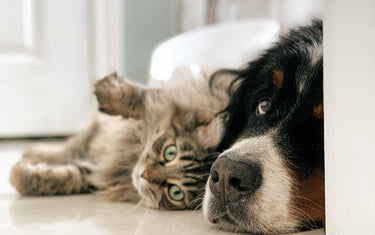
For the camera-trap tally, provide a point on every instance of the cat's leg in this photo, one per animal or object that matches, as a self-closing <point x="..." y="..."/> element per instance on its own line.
<point x="116" y="96"/>
<point x="76" y="147"/>
<point x="56" y="169"/>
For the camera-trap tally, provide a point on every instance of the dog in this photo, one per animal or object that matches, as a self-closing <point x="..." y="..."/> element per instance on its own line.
<point x="269" y="177"/>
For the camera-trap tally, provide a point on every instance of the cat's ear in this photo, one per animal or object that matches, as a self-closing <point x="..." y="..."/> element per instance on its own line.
<point x="206" y="127"/>
<point x="209" y="135"/>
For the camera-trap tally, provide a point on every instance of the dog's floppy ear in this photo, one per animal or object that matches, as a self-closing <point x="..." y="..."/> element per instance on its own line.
<point x="237" y="111"/>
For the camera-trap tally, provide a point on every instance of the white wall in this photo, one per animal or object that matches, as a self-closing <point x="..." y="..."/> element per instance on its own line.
<point x="349" y="99"/>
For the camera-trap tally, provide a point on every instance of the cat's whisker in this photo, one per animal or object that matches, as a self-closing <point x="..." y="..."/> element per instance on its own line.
<point x="197" y="202"/>
<point x="142" y="222"/>
<point x="136" y="206"/>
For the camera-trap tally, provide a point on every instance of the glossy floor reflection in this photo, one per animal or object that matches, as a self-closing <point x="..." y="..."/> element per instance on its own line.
<point x="86" y="214"/>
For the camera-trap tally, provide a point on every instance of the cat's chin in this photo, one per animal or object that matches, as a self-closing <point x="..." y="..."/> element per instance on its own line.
<point x="136" y="177"/>
<point x="139" y="183"/>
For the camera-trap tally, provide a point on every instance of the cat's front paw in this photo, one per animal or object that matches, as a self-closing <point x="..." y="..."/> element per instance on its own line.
<point x="110" y="94"/>
<point x="119" y="97"/>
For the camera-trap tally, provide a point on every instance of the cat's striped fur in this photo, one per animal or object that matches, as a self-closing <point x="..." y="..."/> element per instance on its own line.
<point x="123" y="157"/>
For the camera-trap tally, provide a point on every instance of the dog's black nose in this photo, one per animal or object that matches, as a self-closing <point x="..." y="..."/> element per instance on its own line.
<point x="233" y="177"/>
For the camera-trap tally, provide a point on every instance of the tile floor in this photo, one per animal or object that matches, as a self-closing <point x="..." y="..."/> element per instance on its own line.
<point x="86" y="214"/>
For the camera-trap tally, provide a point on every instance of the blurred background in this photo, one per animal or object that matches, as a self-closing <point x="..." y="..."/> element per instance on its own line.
<point x="52" y="51"/>
<point x="148" y="23"/>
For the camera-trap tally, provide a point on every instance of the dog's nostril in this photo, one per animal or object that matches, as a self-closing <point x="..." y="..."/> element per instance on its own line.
<point x="216" y="182"/>
<point x="214" y="176"/>
<point x="236" y="183"/>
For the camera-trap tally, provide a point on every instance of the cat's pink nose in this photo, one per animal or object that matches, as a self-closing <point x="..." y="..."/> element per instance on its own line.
<point x="145" y="175"/>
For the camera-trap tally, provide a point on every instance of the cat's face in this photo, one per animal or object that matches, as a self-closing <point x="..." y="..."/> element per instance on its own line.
<point x="174" y="166"/>
<point x="172" y="131"/>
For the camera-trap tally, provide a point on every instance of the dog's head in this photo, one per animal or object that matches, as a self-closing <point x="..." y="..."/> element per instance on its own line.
<point x="270" y="178"/>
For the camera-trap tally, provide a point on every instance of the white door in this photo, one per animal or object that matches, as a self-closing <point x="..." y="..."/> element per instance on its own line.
<point x="49" y="51"/>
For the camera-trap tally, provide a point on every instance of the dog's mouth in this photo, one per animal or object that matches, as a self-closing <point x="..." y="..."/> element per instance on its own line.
<point x="240" y="218"/>
<point x="226" y="220"/>
<point x="226" y="215"/>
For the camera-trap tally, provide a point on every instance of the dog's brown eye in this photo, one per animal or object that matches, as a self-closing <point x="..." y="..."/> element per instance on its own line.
<point x="263" y="107"/>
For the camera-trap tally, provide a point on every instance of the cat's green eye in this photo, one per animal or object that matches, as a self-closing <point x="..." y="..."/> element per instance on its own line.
<point x="170" y="153"/>
<point x="176" y="193"/>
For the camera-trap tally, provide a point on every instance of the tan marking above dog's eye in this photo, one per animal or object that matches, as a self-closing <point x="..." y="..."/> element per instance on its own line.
<point x="319" y="111"/>
<point x="278" y="78"/>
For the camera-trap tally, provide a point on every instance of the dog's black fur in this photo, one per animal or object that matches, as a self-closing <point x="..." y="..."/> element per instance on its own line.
<point x="285" y="141"/>
<point x="288" y="55"/>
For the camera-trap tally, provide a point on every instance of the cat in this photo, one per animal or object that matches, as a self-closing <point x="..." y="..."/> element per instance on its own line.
<point x="153" y="145"/>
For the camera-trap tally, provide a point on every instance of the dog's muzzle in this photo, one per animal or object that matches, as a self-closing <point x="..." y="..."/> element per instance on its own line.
<point x="233" y="178"/>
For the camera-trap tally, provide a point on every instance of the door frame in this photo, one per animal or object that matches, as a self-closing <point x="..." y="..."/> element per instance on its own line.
<point x="108" y="34"/>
